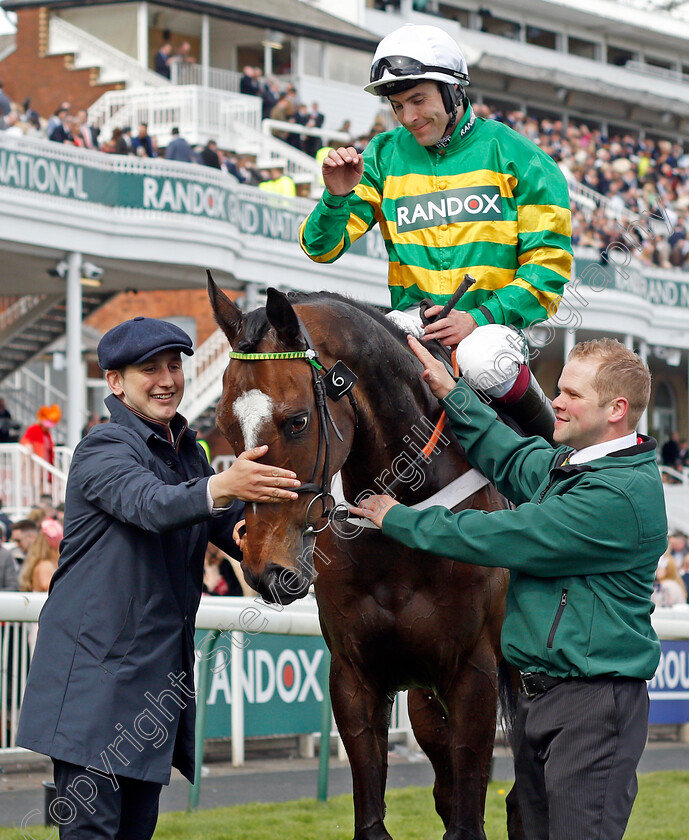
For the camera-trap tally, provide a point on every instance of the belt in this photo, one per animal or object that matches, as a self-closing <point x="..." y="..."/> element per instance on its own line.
<point x="534" y="684"/>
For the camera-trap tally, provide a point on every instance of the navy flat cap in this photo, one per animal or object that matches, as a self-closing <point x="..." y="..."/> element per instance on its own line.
<point x="132" y="342"/>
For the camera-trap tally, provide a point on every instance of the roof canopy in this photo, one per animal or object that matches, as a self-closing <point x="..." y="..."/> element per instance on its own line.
<point x="289" y="16"/>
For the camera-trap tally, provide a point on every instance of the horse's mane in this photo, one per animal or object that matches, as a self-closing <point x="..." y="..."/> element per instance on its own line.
<point x="256" y="324"/>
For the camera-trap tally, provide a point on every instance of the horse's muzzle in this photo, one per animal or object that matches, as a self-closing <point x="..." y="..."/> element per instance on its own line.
<point x="279" y="584"/>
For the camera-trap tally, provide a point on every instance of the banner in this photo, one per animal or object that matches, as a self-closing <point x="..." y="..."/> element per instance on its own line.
<point x="274" y="217"/>
<point x="659" y="291"/>
<point x="281" y="684"/>
<point x="669" y="689"/>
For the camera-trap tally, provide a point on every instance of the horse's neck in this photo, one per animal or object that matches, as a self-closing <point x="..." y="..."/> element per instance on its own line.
<point x="397" y="415"/>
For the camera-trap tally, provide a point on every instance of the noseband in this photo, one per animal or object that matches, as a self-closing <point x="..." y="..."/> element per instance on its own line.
<point x="327" y="382"/>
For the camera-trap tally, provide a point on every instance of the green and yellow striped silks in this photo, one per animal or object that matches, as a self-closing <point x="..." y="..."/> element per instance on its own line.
<point x="491" y="204"/>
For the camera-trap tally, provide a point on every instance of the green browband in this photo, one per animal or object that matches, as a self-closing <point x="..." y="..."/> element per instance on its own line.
<point x="309" y="355"/>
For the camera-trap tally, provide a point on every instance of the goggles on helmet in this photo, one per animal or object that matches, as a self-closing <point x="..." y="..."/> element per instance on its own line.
<point x="403" y="65"/>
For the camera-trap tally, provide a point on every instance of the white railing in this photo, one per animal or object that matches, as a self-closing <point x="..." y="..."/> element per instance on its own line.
<point x="25" y="391"/>
<point x="298" y="163"/>
<point x="589" y="199"/>
<point x="90" y="51"/>
<point x="7" y="51"/>
<point x="183" y="73"/>
<point x="660" y="72"/>
<point x="201" y="114"/>
<point x="223" y="462"/>
<point x="24" y="478"/>
<point x="18" y="308"/>
<point x="270" y="126"/>
<point x="161" y="168"/>
<point x="205" y="370"/>
<point x="20" y="611"/>
<point x="676" y="477"/>
<point x="15" y="654"/>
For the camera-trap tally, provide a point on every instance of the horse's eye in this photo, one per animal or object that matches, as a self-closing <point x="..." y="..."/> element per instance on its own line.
<point x="296" y="425"/>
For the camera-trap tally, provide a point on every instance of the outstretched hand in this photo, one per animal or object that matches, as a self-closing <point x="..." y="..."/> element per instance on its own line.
<point x="253" y="482"/>
<point x="435" y="373"/>
<point x="342" y="170"/>
<point x="375" y="508"/>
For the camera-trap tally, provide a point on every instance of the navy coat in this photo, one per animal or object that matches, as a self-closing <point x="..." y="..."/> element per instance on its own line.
<point x="115" y="650"/>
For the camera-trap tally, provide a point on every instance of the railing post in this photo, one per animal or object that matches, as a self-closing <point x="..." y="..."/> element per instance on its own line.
<point x="237" y="698"/>
<point x="201" y="706"/>
<point x="205" y="50"/>
<point x="142" y="33"/>
<point x="326" y="720"/>
<point x="75" y="370"/>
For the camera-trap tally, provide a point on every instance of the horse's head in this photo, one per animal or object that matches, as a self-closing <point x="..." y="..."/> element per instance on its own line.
<point x="273" y="401"/>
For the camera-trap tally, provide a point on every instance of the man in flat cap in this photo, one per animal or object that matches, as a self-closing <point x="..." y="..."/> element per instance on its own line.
<point x="110" y="693"/>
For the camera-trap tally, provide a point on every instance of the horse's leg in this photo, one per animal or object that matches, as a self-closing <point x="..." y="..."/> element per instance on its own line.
<point x="431" y="729"/>
<point x="471" y="702"/>
<point x="363" y="718"/>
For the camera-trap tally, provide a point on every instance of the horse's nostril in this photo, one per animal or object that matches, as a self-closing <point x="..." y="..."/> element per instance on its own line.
<point x="291" y="581"/>
<point x="281" y="585"/>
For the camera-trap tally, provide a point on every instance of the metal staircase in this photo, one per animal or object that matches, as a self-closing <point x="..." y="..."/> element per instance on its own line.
<point x="32" y="323"/>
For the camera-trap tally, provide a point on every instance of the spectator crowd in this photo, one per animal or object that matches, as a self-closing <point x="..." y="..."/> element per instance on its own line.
<point x="642" y="183"/>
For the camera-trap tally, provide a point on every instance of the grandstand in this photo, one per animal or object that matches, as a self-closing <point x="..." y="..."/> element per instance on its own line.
<point x="601" y="85"/>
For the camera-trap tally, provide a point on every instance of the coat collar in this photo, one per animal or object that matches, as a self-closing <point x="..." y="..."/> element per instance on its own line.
<point x="147" y="428"/>
<point x="641" y="452"/>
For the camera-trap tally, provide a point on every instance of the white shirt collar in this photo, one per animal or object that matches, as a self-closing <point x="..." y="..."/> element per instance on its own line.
<point x="598" y="450"/>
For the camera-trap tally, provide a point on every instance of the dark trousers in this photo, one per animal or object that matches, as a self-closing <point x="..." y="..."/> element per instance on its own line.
<point x="88" y="806"/>
<point x="577" y="747"/>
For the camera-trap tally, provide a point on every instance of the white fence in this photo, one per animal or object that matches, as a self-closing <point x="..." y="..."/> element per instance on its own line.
<point x="186" y="73"/>
<point x="24" y="477"/>
<point x="25" y="391"/>
<point x="206" y="367"/>
<point x="201" y="114"/>
<point x="20" y="610"/>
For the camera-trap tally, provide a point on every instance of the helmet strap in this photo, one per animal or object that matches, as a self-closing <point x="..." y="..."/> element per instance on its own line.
<point x="453" y="97"/>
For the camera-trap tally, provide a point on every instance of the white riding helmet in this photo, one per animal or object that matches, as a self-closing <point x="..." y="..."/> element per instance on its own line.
<point x="413" y="54"/>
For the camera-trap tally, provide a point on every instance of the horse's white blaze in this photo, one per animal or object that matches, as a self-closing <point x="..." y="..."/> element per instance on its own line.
<point x="252" y="410"/>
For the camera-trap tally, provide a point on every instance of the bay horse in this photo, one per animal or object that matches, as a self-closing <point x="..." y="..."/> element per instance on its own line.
<point x="393" y="618"/>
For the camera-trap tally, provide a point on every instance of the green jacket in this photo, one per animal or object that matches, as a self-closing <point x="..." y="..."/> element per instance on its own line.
<point x="491" y="204"/>
<point x="582" y="546"/>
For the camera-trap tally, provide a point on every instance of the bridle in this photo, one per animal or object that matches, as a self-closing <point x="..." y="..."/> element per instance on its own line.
<point x="320" y="376"/>
<point x="319" y="373"/>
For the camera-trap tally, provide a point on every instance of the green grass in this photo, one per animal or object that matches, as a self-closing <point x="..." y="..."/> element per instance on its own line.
<point x="659" y="814"/>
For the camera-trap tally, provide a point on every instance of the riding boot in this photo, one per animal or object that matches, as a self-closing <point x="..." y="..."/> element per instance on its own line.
<point x="527" y="405"/>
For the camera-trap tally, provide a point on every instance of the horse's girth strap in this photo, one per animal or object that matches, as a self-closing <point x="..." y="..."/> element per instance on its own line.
<point x="450" y="496"/>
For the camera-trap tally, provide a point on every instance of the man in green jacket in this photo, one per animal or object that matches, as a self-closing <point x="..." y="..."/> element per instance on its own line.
<point x="582" y="546"/>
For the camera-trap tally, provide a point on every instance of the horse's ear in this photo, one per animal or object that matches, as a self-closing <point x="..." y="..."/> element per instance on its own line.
<point x="227" y="315"/>
<point x="282" y="317"/>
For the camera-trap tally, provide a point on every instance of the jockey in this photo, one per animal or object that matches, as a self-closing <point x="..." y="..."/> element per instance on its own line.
<point x="453" y="194"/>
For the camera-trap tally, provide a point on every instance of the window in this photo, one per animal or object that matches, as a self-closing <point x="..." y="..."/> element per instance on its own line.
<point x="312" y="57"/>
<point x="350" y="66"/>
<point x="580" y="47"/>
<point x="499" y="26"/>
<point x="619" y="56"/>
<point x="451" y="13"/>
<point x="541" y="37"/>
